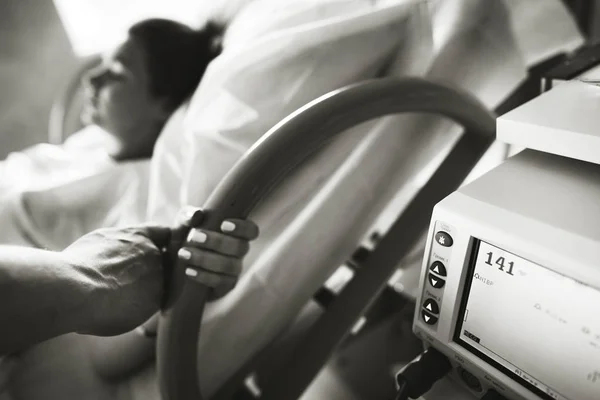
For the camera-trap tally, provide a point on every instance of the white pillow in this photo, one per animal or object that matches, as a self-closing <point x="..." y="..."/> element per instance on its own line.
<point x="263" y="17"/>
<point x="249" y="89"/>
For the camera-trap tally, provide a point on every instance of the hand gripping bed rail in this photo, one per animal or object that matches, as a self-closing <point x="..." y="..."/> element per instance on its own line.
<point x="266" y="164"/>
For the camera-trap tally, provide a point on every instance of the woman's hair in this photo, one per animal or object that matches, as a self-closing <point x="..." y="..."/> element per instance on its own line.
<point x="176" y="55"/>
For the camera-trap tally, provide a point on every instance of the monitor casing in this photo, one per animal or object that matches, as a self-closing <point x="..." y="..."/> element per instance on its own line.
<point x="540" y="206"/>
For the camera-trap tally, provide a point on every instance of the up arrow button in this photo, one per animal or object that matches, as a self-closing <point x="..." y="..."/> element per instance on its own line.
<point x="438" y="268"/>
<point x="431" y="306"/>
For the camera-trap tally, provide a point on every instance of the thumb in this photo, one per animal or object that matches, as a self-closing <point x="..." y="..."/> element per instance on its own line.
<point x="158" y="234"/>
<point x="188" y="217"/>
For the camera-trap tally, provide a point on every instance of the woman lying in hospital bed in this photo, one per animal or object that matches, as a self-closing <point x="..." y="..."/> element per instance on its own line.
<point x="50" y="195"/>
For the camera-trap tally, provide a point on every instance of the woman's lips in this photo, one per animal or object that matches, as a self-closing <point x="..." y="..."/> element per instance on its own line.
<point x="91" y="102"/>
<point x="91" y="97"/>
<point x="89" y="112"/>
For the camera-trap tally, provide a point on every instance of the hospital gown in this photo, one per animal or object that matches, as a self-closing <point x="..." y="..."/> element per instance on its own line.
<point x="50" y="195"/>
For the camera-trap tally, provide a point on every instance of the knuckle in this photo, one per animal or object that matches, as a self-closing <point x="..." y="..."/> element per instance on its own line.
<point x="198" y="257"/>
<point x="215" y="241"/>
<point x="153" y="251"/>
<point x="216" y="263"/>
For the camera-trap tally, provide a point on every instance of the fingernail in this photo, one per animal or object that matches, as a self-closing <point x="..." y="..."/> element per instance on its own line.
<point x="191" y="272"/>
<point x="227" y="226"/>
<point x="188" y="213"/>
<point x="184" y="253"/>
<point x="197" y="236"/>
<point x="193" y="215"/>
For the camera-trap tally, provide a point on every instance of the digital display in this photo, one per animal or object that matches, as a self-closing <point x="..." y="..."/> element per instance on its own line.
<point x="539" y="327"/>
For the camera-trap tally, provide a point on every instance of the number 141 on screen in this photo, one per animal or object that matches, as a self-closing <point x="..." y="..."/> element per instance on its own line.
<point x="501" y="263"/>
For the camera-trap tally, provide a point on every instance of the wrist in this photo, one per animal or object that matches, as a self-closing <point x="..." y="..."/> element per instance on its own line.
<point x="85" y="294"/>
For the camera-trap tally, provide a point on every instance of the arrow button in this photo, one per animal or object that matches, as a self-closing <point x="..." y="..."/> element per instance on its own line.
<point x="431" y="306"/>
<point x="439" y="268"/>
<point x="429" y="318"/>
<point x="435" y="281"/>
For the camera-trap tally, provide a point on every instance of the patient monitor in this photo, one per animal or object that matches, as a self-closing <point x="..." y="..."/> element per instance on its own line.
<point x="510" y="286"/>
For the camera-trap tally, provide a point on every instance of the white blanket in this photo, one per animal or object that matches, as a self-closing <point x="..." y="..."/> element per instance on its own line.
<point x="51" y="195"/>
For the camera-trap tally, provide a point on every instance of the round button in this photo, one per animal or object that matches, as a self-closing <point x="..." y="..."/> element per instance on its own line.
<point x="429" y="318"/>
<point x="470" y="380"/>
<point x="431" y="306"/>
<point x="438" y="268"/>
<point x="444" y="239"/>
<point x="435" y="281"/>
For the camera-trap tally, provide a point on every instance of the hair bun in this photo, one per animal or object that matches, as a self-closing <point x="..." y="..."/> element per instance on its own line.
<point x="213" y="28"/>
<point x="213" y="32"/>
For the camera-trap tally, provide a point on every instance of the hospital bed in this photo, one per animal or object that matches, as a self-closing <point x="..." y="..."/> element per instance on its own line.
<point x="371" y="273"/>
<point x="267" y="163"/>
<point x="350" y="318"/>
<point x="327" y="333"/>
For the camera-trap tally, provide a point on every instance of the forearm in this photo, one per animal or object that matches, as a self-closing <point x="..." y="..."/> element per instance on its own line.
<point x="42" y="295"/>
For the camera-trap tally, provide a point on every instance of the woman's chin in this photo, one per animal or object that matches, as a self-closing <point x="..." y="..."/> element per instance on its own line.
<point x="89" y="115"/>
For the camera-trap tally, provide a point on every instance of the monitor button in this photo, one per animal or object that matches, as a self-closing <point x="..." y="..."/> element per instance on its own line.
<point x="438" y="268"/>
<point x="431" y="306"/>
<point x="444" y="239"/>
<point x="429" y="318"/>
<point x="435" y="281"/>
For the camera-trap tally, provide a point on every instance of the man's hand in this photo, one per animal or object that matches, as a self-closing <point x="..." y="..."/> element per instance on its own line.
<point x="125" y="267"/>
<point x="124" y="270"/>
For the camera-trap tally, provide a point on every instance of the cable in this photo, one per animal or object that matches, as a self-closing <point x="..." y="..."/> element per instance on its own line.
<point x="419" y="376"/>
<point x="402" y="393"/>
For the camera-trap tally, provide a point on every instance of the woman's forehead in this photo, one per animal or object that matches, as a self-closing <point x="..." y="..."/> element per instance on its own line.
<point x="129" y="53"/>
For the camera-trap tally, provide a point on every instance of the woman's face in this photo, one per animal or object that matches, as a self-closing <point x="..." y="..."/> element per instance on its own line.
<point x="117" y="93"/>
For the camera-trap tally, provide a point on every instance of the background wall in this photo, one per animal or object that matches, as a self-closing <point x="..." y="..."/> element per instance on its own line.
<point x="35" y="59"/>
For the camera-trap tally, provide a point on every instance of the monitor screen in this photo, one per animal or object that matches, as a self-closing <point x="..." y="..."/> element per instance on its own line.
<point x="537" y="326"/>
